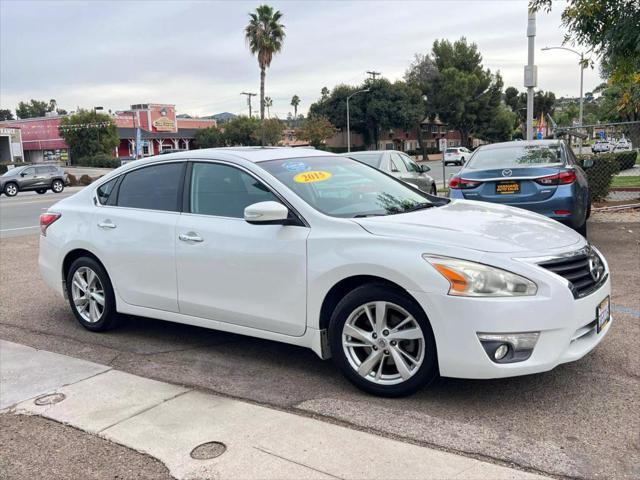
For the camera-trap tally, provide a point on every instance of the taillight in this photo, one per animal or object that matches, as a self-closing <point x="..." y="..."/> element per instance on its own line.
<point x="462" y="183"/>
<point x="562" y="178"/>
<point x="46" y="219"/>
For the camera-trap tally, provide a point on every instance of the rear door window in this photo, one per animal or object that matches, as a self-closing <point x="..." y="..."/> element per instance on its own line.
<point x="156" y="187"/>
<point x="42" y="170"/>
<point x="105" y="190"/>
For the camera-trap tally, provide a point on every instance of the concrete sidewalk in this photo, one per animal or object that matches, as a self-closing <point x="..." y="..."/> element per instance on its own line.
<point x="168" y="421"/>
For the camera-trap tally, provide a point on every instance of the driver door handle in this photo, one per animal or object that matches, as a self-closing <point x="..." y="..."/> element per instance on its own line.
<point x="106" y="224"/>
<point x="190" y="237"/>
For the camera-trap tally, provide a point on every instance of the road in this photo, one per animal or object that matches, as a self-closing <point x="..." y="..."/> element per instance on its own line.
<point x="580" y="420"/>
<point x="436" y="171"/>
<point x="21" y="214"/>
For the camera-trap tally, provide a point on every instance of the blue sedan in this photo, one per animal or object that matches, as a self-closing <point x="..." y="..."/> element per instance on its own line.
<point x="542" y="176"/>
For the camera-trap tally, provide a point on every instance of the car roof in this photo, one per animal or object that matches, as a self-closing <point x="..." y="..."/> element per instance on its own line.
<point x="251" y="154"/>
<point x="523" y="143"/>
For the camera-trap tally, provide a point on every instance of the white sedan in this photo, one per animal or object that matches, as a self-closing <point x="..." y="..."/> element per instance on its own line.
<point x="313" y="249"/>
<point x="457" y="155"/>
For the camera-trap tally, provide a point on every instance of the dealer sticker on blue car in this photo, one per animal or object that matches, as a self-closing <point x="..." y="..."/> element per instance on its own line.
<point x="603" y="314"/>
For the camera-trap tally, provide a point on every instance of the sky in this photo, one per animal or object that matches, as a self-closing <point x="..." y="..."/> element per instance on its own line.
<point x="193" y="53"/>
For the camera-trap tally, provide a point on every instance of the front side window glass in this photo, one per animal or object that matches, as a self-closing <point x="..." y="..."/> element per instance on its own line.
<point x="105" y="190"/>
<point x="225" y="191"/>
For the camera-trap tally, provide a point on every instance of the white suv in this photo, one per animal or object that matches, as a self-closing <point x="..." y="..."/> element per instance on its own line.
<point x="317" y="250"/>
<point x="457" y="155"/>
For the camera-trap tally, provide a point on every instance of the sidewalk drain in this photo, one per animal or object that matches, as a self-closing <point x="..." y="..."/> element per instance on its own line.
<point x="208" y="450"/>
<point x="49" y="399"/>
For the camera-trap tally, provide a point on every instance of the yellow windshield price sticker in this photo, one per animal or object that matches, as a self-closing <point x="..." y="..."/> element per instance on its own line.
<point x="312" y="177"/>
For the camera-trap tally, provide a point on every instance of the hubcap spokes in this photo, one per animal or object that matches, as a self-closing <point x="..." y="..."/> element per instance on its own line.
<point x="383" y="343"/>
<point x="87" y="294"/>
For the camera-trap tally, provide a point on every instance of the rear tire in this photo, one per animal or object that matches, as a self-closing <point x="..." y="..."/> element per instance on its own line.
<point x="367" y="355"/>
<point x="11" y="189"/>
<point x="57" y="186"/>
<point x="41" y="191"/>
<point x="91" y="295"/>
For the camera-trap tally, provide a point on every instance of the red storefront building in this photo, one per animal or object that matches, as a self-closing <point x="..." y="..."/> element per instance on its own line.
<point x="160" y="130"/>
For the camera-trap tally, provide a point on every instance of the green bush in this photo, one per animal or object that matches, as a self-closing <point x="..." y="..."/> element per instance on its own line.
<point x="101" y="160"/>
<point x="3" y="166"/>
<point x="600" y="174"/>
<point x="626" y="159"/>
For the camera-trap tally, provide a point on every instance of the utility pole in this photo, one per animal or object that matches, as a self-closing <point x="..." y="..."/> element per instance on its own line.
<point x="373" y="74"/>
<point x="249" y="95"/>
<point x="530" y="72"/>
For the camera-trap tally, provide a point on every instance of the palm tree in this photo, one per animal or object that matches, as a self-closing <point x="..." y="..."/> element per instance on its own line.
<point x="264" y="35"/>
<point x="268" y="102"/>
<point x="295" y="101"/>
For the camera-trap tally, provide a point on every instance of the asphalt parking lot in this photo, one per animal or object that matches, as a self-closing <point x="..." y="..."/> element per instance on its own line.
<point x="580" y="420"/>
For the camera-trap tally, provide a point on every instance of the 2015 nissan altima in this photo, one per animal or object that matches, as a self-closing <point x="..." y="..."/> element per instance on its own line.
<point x="313" y="249"/>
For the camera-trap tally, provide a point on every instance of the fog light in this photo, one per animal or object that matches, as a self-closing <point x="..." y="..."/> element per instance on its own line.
<point x="501" y="351"/>
<point x="508" y="347"/>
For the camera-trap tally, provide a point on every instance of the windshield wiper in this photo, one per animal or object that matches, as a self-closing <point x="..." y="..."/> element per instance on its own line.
<point x="364" y="215"/>
<point x="418" y="206"/>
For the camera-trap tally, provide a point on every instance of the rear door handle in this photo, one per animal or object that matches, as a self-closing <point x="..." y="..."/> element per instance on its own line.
<point x="106" y="224"/>
<point x="190" y="237"/>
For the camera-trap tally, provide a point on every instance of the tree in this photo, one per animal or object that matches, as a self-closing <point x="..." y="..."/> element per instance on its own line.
<point x="464" y="95"/>
<point x="324" y="93"/>
<point x="89" y="133"/>
<point x="269" y="131"/>
<point x="511" y="99"/>
<point x="609" y="28"/>
<point x="210" y="137"/>
<point x="38" y="108"/>
<point x="264" y="35"/>
<point x="316" y="130"/>
<point x="295" y="101"/>
<point x="5" y="114"/>
<point x="421" y="74"/>
<point x="268" y="103"/>
<point x="500" y="126"/>
<point x="240" y="130"/>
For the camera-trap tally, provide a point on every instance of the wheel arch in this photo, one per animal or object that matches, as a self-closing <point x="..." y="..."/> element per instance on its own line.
<point x="71" y="257"/>
<point x="348" y="284"/>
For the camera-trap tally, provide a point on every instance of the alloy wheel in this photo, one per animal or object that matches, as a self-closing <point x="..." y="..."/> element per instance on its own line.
<point x="383" y="343"/>
<point x="57" y="186"/>
<point x="88" y="295"/>
<point x="11" y="190"/>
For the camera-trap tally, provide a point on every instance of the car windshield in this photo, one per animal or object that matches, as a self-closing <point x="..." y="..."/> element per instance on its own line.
<point x="516" y="156"/>
<point x="342" y="187"/>
<point x="372" y="159"/>
<point x="451" y="150"/>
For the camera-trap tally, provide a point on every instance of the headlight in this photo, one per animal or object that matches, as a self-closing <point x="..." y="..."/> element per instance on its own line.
<point x="470" y="279"/>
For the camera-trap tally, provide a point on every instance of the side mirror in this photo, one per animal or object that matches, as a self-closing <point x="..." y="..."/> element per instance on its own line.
<point x="23" y="174"/>
<point x="266" y="213"/>
<point x="425" y="168"/>
<point x="587" y="163"/>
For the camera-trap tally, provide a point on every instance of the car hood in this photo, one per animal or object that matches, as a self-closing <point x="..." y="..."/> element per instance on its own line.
<point x="478" y="226"/>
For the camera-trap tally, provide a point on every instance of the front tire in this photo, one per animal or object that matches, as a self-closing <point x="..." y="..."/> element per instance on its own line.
<point x="11" y="189"/>
<point x="57" y="186"/>
<point x="382" y="341"/>
<point x="91" y="295"/>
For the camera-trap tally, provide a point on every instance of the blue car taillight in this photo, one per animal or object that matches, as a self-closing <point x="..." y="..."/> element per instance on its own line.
<point x="462" y="183"/>
<point x="562" y="178"/>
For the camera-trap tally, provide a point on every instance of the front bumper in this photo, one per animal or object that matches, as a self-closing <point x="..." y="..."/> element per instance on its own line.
<point x="566" y="326"/>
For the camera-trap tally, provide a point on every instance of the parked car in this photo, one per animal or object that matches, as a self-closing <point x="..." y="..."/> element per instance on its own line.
<point x="33" y="177"/>
<point x="457" y="155"/>
<point x="399" y="165"/>
<point x="602" y="146"/>
<point x="321" y="251"/>
<point x="623" y="145"/>
<point x="542" y="176"/>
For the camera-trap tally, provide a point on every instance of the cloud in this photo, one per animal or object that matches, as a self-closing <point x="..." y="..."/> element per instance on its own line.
<point x="193" y="54"/>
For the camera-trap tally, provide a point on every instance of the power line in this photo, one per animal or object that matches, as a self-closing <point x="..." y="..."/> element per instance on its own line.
<point x="373" y="74"/>
<point x="249" y="95"/>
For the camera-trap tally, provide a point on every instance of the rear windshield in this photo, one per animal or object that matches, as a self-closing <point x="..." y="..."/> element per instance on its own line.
<point x="451" y="150"/>
<point x="516" y="156"/>
<point x="371" y="159"/>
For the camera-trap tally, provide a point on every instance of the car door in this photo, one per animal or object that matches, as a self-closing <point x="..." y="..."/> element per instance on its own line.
<point x="43" y="177"/>
<point x="421" y="179"/>
<point x="232" y="271"/>
<point x="403" y="173"/>
<point x="135" y="233"/>
<point x="27" y="178"/>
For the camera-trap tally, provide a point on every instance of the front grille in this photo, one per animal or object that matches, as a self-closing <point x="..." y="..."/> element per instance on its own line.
<point x="583" y="269"/>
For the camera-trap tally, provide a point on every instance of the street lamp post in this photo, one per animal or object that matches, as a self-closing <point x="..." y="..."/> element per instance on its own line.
<point x="581" y="55"/>
<point x="348" y="126"/>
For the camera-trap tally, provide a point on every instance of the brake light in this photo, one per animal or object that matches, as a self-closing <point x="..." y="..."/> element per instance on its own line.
<point x="462" y="183"/>
<point x="562" y="178"/>
<point x="46" y="219"/>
